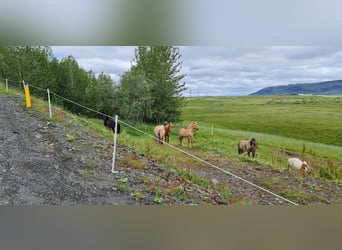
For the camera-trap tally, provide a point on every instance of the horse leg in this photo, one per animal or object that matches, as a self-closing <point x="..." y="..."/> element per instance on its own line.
<point x="162" y="137"/>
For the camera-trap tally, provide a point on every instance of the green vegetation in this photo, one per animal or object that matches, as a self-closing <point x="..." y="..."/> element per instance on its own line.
<point x="150" y="91"/>
<point x="235" y="118"/>
<point x="282" y="125"/>
<point x="143" y="94"/>
<point x="310" y="118"/>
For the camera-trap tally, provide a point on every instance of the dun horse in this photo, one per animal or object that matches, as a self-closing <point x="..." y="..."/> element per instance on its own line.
<point x="162" y="132"/>
<point x="187" y="132"/>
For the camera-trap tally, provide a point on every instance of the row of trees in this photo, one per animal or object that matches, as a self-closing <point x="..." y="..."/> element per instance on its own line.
<point x="149" y="92"/>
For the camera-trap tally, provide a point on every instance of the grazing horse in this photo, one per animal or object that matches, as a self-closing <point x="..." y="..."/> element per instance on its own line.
<point x="159" y="133"/>
<point x="168" y="129"/>
<point x="187" y="132"/>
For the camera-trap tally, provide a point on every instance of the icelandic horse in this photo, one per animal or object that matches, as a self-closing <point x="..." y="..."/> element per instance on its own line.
<point x="187" y="132"/>
<point x="159" y="133"/>
<point x="168" y="129"/>
<point x="162" y="132"/>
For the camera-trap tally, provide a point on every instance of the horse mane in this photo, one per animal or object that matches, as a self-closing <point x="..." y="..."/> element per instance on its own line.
<point x="192" y="124"/>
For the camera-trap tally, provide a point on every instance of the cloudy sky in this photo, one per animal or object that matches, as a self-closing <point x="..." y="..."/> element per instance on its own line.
<point x="262" y="43"/>
<point x="215" y="71"/>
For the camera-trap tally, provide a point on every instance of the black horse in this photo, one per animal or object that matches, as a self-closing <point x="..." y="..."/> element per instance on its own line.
<point x="110" y="123"/>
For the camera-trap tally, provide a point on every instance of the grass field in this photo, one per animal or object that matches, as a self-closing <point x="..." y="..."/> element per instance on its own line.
<point x="312" y="118"/>
<point x="309" y="126"/>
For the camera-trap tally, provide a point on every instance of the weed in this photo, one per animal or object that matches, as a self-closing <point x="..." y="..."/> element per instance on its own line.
<point x="140" y="179"/>
<point x="122" y="187"/>
<point x="58" y="114"/>
<point x="67" y="158"/>
<point x="240" y="200"/>
<point x="157" y="199"/>
<point x="131" y="161"/>
<point x="90" y="164"/>
<point x="330" y="172"/>
<point x="292" y="195"/>
<point x="223" y="190"/>
<point x="87" y="173"/>
<point x="70" y="138"/>
<point x="123" y="180"/>
<point x="138" y="195"/>
<point x="155" y="190"/>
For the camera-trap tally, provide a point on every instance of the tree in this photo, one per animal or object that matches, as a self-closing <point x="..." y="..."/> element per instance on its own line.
<point x="134" y="98"/>
<point x="29" y="63"/>
<point x="72" y="82"/>
<point x="156" y="73"/>
<point x="100" y="94"/>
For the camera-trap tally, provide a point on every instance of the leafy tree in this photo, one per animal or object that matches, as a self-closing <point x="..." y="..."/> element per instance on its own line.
<point x="72" y="82"/>
<point x="29" y="63"/>
<point x="155" y="76"/>
<point x="100" y="94"/>
<point x="134" y="98"/>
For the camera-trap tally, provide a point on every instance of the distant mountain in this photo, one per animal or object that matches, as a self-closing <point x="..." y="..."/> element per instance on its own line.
<point x="318" y="88"/>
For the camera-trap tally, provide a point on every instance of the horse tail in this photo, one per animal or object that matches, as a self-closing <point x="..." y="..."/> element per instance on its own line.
<point x="158" y="133"/>
<point x="159" y="136"/>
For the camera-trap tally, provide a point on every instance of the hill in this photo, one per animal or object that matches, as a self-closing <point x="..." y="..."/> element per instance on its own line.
<point x="319" y="88"/>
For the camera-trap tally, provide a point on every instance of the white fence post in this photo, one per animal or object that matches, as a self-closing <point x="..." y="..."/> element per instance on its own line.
<point x="48" y="92"/>
<point x="6" y="85"/>
<point x="114" y="151"/>
<point x="212" y="129"/>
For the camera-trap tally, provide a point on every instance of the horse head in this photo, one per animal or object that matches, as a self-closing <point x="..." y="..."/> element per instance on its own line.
<point x="194" y="126"/>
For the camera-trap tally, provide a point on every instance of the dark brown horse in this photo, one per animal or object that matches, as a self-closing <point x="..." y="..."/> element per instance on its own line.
<point x="187" y="132"/>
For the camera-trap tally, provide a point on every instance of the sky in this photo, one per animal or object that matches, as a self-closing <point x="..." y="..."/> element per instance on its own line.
<point x="223" y="71"/>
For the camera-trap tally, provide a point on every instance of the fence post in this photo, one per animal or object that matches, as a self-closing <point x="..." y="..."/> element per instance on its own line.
<point x="114" y="151"/>
<point x="48" y="92"/>
<point x="27" y="95"/>
<point x="212" y="129"/>
<point x="6" y="85"/>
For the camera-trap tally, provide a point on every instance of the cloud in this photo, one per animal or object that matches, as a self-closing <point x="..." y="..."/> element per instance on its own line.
<point x="112" y="60"/>
<point x="212" y="70"/>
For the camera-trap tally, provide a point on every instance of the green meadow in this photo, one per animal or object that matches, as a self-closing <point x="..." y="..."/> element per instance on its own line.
<point x="307" y="126"/>
<point x="311" y="118"/>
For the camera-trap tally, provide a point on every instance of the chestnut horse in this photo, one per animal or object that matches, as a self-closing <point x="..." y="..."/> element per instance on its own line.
<point x="168" y="129"/>
<point x="187" y="132"/>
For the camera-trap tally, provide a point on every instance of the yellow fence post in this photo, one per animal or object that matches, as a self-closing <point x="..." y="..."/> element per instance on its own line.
<point x="27" y="96"/>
